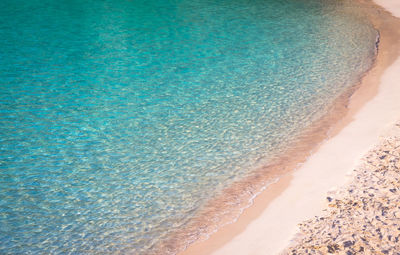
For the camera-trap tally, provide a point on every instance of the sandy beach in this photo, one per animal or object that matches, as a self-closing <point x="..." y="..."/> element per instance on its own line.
<point x="272" y="223"/>
<point x="363" y="215"/>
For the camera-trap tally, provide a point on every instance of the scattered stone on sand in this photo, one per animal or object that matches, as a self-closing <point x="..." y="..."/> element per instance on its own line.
<point x="362" y="217"/>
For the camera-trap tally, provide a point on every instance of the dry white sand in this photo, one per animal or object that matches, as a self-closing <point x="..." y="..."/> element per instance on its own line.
<point x="325" y="169"/>
<point x="393" y="6"/>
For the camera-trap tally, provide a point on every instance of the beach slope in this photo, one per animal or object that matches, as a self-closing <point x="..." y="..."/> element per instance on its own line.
<point x="302" y="194"/>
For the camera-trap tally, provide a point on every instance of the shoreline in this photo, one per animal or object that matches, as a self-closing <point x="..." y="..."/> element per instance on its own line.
<point x="258" y="221"/>
<point x="361" y="216"/>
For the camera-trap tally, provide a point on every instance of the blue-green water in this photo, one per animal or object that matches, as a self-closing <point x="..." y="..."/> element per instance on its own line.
<point x="120" y="119"/>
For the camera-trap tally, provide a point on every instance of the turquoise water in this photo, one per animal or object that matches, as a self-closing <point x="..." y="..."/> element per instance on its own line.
<point x="120" y="119"/>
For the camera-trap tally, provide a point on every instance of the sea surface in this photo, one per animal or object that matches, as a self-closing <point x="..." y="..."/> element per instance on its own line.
<point x="121" y="119"/>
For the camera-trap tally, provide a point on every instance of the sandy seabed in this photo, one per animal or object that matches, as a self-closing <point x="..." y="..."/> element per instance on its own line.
<point x="287" y="213"/>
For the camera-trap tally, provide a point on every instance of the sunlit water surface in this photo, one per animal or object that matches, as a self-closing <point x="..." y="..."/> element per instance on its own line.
<point x="120" y="119"/>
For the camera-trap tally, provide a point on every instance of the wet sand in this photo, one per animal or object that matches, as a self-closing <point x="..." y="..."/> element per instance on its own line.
<point x="268" y="226"/>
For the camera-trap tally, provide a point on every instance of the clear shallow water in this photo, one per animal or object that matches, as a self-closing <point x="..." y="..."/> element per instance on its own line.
<point x="121" y="119"/>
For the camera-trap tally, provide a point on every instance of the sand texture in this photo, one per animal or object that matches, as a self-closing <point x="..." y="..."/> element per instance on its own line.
<point x="393" y="6"/>
<point x="269" y="225"/>
<point x="362" y="217"/>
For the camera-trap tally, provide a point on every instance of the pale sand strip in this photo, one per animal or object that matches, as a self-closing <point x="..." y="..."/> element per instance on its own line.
<point x="393" y="6"/>
<point x="305" y="196"/>
<point x="268" y="226"/>
<point x="361" y="217"/>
